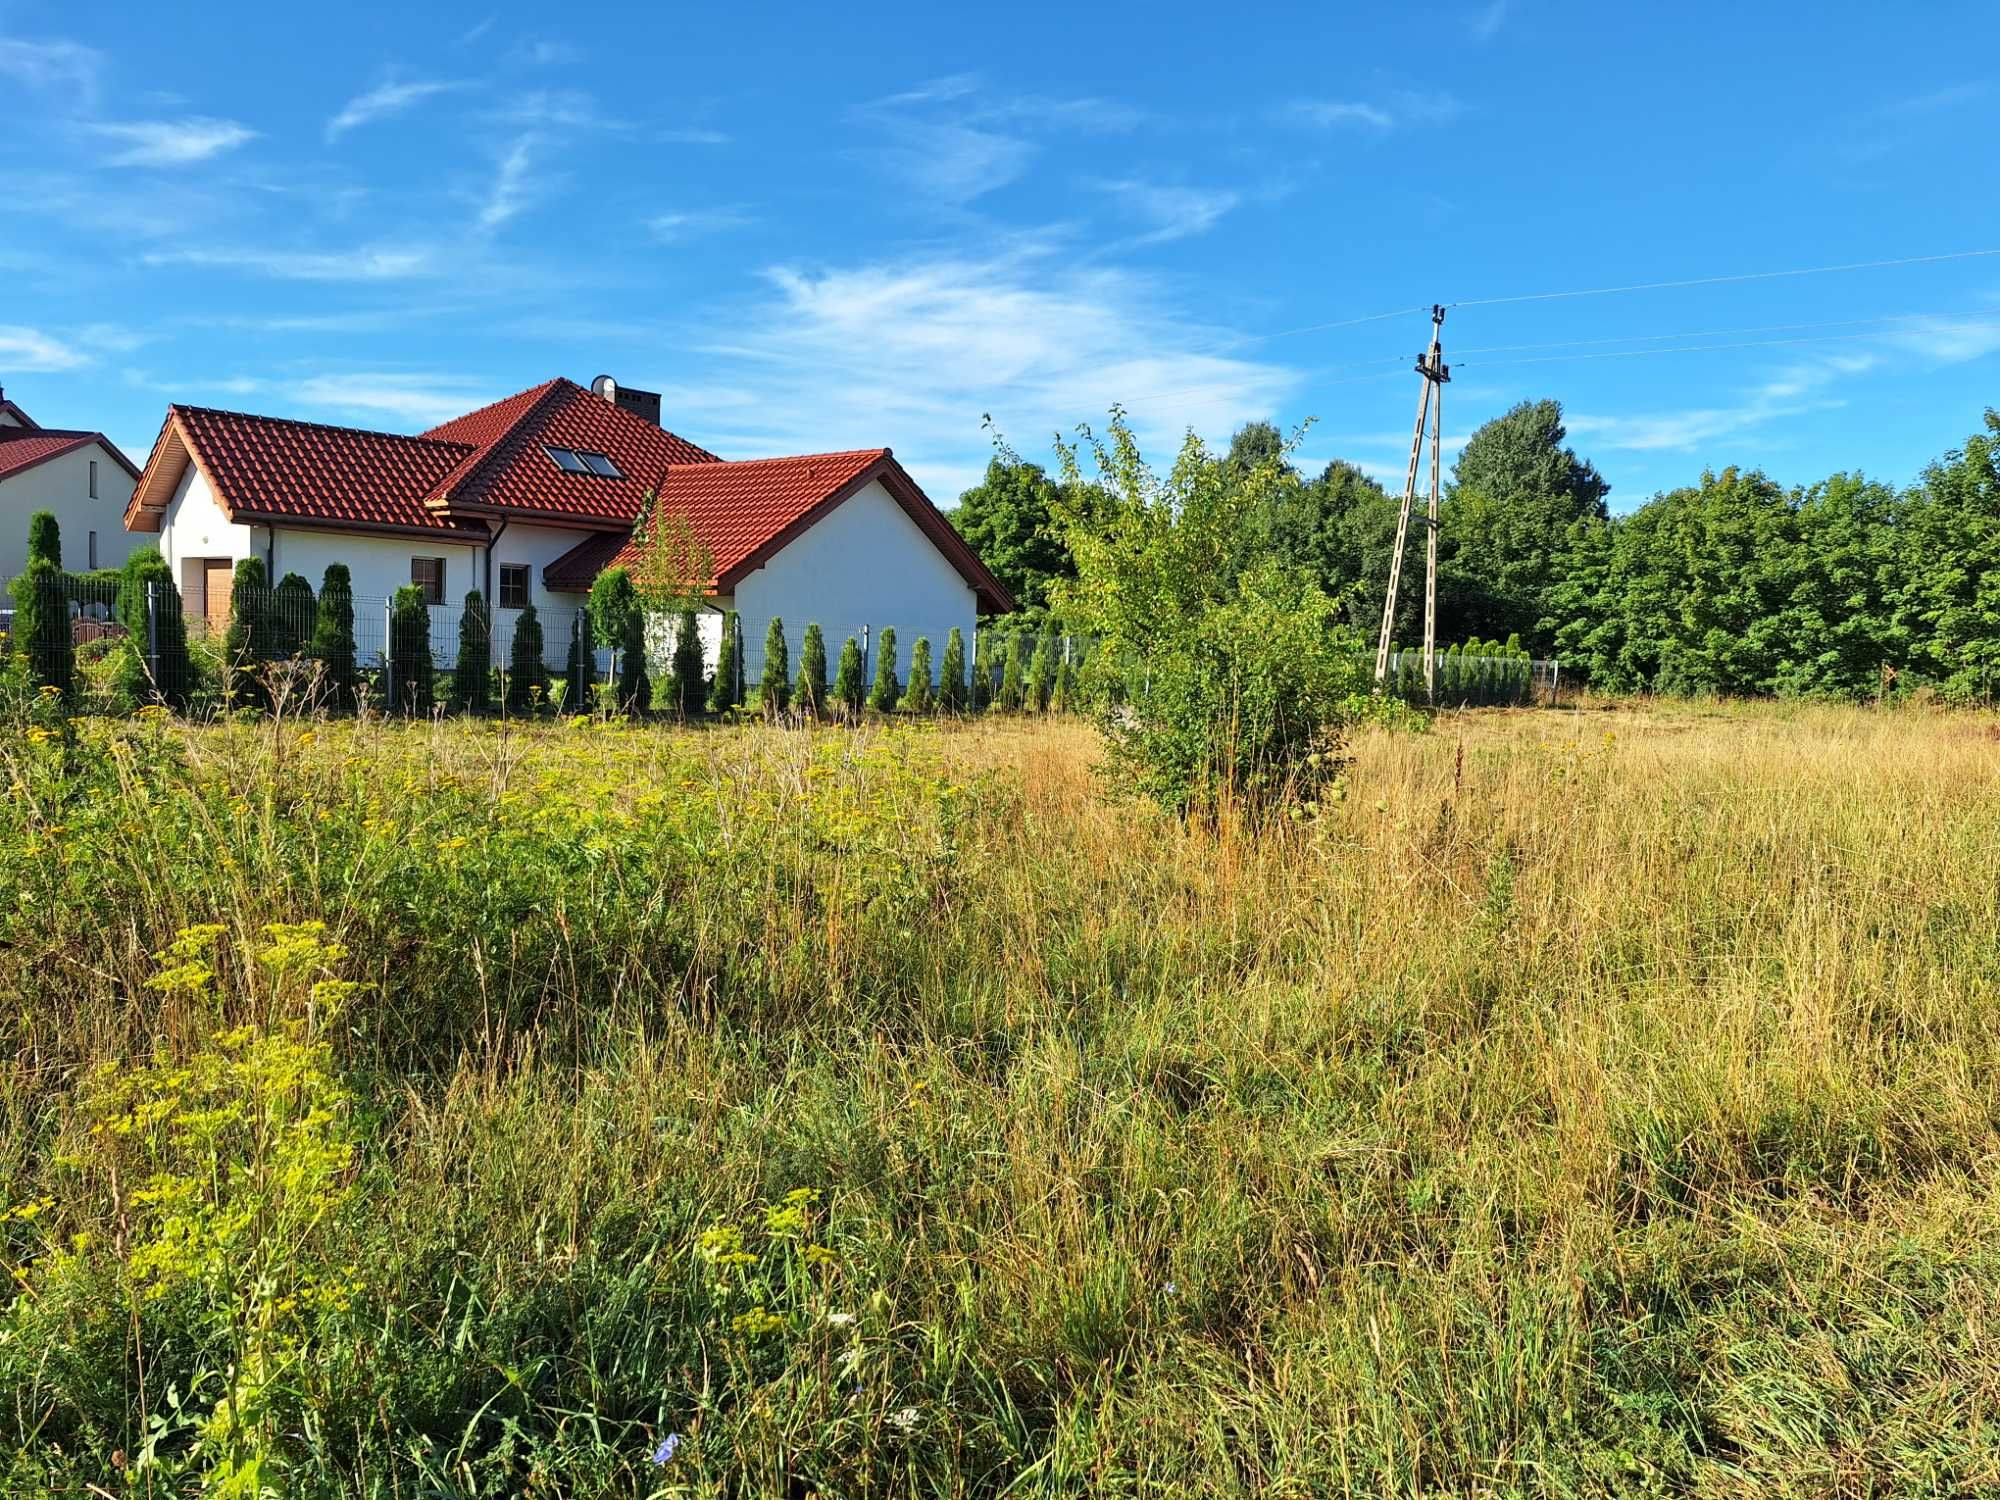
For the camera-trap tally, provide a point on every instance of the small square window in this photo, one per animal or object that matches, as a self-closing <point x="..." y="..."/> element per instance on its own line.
<point x="513" y="585"/>
<point x="567" y="461"/>
<point x="427" y="573"/>
<point x="598" y="464"/>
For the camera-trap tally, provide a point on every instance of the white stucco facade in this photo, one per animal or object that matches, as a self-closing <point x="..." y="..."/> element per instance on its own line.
<point x="195" y="533"/>
<point x="863" y="564"/>
<point x="62" y="486"/>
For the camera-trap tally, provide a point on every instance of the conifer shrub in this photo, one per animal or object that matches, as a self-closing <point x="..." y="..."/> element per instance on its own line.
<point x="579" y="669"/>
<point x="247" y="643"/>
<point x="44" y="538"/>
<point x="154" y="666"/>
<point x="724" y="692"/>
<point x="291" y="617"/>
<point x="687" y="667"/>
<point x="849" y="692"/>
<point x="887" y="691"/>
<point x="1042" y="671"/>
<point x="472" y="671"/>
<point x="1063" y="699"/>
<point x="412" y="673"/>
<point x="1013" y="683"/>
<point x="333" y="644"/>
<point x="527" y="681"/>
<point x="952" y="695"/>
<point x="920" y="697"/>
<point x="774" y="687"/>
<point x="982" y="671"/>
<point x="41" y="609"/>
<point x="812" y="690"/>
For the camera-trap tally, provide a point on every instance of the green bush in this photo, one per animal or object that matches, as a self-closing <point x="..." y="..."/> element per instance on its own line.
<point x="687" y="667"/>
<point x="724" y="693"/>
<point x="579" y="669"/>
<point x="527" y="679"/>
<point x="951" y="676"/>
<point x="774" y="686"/>
<point x="146" y="588"/>
<point x="411" y="669"/>
<point x="333" y="644"/>
<point x="848" y="689"/>
<point x="1013" y="687"/>
<point x="812" y="674"/>
<point x="247" y="643"/>
<point x="472" y="671"/>
<point x="887" y="691"/>
<point x="291" y="617"/>
<point x="982" y="671"/>
<point x="921" y="697"/>
<point x="1042" y="671"/>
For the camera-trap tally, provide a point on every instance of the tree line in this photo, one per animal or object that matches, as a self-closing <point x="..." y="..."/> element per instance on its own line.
<point x="1734" y="584"/>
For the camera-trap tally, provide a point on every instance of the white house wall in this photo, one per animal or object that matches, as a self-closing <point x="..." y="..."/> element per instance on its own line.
<point x="864" y="564"/>
<point x="62" y="486"/>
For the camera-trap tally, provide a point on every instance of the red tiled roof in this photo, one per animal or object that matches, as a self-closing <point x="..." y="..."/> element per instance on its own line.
<point x="511" y="471"/>
<point x="746" y="511"/>
<point x="24" y="447"/>
<point x="275" y="468"/>
<point x="491" y="463"/>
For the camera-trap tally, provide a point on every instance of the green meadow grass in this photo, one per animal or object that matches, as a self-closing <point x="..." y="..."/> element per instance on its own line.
<point x="1593" y="1103"/>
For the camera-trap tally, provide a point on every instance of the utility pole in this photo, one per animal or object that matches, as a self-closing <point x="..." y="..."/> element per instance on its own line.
<point x="1430" y="410"/>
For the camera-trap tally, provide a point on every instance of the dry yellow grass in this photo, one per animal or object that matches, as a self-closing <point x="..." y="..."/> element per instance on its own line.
<point x="1585" y="1102"/>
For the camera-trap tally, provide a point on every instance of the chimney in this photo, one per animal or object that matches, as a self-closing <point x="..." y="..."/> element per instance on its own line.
<point x="645" y="404"/>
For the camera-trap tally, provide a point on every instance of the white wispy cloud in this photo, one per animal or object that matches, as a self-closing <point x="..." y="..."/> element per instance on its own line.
<point x="1487" y="21"/>
<point x="545" y="52"/>
<point x="415" y="400"/>
<point x="955" y="142"/>
<point x="384" y="101"/>
<point x="678" y="228"/>
<point x="30" y="351"/>
<point x="1396" y="110"/>
<point x="1173" y="212"/>
<point x="357" y="263"/>
<point x="513" y="185"/>
<point x="171" y="143"/>
<point x="1938" y="100"/>
<point x="911" y="353"/>
<point x="68" y="70"/>
<point x="475" y="31"/>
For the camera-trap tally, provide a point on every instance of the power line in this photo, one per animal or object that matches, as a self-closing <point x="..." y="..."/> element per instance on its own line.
<point x="1660" y="286"/>
<point x="1706" y="333"/>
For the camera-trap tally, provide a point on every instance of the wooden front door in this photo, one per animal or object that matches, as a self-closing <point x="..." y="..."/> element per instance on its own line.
<point x="217" y="575"/>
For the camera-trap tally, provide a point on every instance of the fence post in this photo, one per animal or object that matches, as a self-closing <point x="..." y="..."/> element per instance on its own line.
<point x="864" y="653"/>
<point x="389" y="653"/>
<point x="153" y="633"/>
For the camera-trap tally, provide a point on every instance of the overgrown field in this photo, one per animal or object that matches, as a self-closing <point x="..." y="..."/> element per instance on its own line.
<point x="1582" y="1103"/>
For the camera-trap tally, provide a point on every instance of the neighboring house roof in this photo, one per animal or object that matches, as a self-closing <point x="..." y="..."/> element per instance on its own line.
<point x="30" y="444"/>
<point x="744" y="512"/>
<point x="492" y="463"/>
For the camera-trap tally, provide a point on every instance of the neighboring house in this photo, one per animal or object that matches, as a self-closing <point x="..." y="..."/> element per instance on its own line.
<point x="80" y="476"/>
<point x="528" y="499"/>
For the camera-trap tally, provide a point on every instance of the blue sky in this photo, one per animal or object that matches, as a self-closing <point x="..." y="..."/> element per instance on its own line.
<point x="819" y="227"/>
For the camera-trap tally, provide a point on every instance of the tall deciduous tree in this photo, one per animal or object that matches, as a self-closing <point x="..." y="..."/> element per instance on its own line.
<point x="1008" y="519"/>
<point x="1515" y="493"/>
